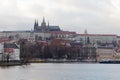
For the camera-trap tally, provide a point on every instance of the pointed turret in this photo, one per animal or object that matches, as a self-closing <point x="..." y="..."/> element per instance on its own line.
<point x="43" y="25"/>
<point x="35" y="23"/>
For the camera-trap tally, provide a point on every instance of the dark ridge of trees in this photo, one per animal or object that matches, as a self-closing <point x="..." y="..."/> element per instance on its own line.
<point x="56" y="50"/>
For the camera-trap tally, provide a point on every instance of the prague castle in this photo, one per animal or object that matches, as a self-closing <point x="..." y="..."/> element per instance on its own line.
<point x="44" y="27"/>
<point x="46" y="31"/>
<point x="89" y="46"/>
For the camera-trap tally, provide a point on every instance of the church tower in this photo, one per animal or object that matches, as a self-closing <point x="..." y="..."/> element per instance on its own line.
<point x="36" y="25"/>
<point x="43" y="25"/>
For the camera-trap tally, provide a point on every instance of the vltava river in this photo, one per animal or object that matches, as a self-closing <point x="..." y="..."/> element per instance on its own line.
<point x="61" y="71"/>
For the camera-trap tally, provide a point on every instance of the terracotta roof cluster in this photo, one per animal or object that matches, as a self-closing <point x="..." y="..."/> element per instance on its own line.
<point x="62" y="32"/>
<point x="4" y="40"/>
<point x="97" y="34"/>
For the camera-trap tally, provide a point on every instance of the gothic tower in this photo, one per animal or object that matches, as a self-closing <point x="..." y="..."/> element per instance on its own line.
<point x="35" y="25"/>
<point x="43" y="25"/>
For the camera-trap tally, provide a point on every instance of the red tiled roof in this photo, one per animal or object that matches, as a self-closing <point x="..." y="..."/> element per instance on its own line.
<point x="4" y="40"/>
<point x="97" y="34"/>
<point x="62" y="32"/>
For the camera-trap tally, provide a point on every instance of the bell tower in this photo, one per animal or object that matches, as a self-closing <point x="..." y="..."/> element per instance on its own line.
<point x="43" y="25"/>
<point x="36" y="25"/>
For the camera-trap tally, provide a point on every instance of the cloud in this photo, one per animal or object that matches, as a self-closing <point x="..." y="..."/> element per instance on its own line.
<point x="98" y="16"/>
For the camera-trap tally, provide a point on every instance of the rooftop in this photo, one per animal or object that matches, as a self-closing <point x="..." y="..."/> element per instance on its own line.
<point x="97" y="34"/>
<point x="8" y="45"/>
<point x="62" y="32"/>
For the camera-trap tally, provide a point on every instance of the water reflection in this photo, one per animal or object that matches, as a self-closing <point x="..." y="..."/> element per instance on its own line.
<point x="49" y="71"/>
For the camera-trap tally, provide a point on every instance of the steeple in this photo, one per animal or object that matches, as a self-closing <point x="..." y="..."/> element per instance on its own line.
<point x="43" y="25"/>
<point x="35" y="23"/>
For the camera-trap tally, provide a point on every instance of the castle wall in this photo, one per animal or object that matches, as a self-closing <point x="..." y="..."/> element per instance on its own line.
<point x="23" y="35"/>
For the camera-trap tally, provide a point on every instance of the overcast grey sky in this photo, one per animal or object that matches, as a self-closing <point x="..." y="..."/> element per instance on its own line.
<point x="97" y="16"/>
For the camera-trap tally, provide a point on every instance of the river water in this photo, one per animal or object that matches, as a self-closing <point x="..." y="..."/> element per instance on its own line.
<point x="61" y="71"/>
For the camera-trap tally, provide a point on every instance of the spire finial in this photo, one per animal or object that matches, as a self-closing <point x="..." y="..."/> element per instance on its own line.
<point x="35" y="23"/>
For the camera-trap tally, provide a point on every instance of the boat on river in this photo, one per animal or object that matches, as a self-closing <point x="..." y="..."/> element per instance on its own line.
<point x="110" y="62"/>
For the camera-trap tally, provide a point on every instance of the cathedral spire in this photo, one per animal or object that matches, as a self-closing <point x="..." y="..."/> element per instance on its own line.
<point x="35" y="23"/>
<point x="43" y="19"/>
<point x="43" y="25"/>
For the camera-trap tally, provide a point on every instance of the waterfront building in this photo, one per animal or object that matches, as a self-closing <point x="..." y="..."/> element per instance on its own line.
<point x="118" y="41"/>
<point x="105" y="53"/>
<point x="10" y="51"/>
<point x="88" y="53"/>
<point x="1" y="51"/>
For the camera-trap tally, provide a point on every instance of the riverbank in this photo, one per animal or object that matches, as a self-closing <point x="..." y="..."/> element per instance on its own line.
<point x="60" y="61"/>
<point x="19" y="63"/>
<point x="12" y="63"/>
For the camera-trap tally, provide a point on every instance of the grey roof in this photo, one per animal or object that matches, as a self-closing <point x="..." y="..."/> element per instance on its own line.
<point x="48" y="28"/>
<point x="103" y="47"/>
<point x="54" y="27"/>
<point x="10" y="46"/>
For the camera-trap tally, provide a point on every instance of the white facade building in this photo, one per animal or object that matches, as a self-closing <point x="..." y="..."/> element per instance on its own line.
<point x="12" y="51"/>
<point x="29" y="35"/>
<point x="66" y="35"/>
<point x="94" y="38"/>
<point x="1" y="51"/>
